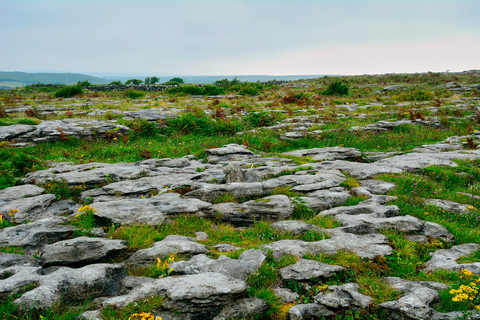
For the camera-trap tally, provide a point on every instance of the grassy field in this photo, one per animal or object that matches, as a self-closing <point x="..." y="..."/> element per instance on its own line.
<point x="207" y="122"/>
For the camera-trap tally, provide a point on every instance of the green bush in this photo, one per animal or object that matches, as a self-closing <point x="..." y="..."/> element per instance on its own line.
<point x="69" y="91"/>
<point x="143" y="128"/>
<point x="115" y="83"/>
<point x="336" y="88"/>
<point x="85" y="83"/>
<point x="133" y="94"/>
<point x="134" y="81"/>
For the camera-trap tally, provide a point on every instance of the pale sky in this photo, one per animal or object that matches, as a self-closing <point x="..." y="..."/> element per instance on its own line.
<point x="230" y="37"/>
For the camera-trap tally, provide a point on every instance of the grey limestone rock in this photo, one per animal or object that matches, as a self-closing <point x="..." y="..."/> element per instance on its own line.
<point x="37" y="233"/>
<point x="330" y="153"/>
<point x="128" y="212"/>
<point x="446" y="258"/>
<point x="449" y="206"/>
<point x="345" y="296"/>
<point x="272" y="208"/>
<point x="366" y="246"/>
<point x="361" y="170"/>
<point x="363" y="208"/>
<point x="286" y="295"/>
<point x="15" y="131"/>
<point x="210" y="192"/>
<point x="229" y="153"/>
<point x="295" y="227"/>
<point x="161" y="249"/>
<point x="91" y="315"/>
<point x="94" y="280"/>
<point x="80" y="251"/>
<point x="438" y="147"/>
<point x="200" y="296"/>
<point x="245" y="308"/>
<point x="377" y="186"/>
<point x="29" y="209"/>
<point x="144" y="115"/>
<point x="309" y="311"/>
<point x="17" y="260"/>
<point x="234" y="173"/>
<point x="18" y="192"/>
<point x="415" y="160"/>
<point x="248" y="262"/>
<point x="173" y="204"/>
<point x="306" y="269"/>
<point x="415" y="302"/>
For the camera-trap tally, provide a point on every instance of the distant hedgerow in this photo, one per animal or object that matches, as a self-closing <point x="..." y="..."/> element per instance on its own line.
<point x="207" y="90"/>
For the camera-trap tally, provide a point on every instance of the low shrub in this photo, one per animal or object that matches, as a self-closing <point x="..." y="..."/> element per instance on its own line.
<point x="69" y="91"/>
<point x="133" y="94"/>
<point x="336" y="88"/>
<point x="207" y="90"/>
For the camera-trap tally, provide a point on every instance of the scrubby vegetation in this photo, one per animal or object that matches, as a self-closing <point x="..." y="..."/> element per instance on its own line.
<point x="259" y="116"/>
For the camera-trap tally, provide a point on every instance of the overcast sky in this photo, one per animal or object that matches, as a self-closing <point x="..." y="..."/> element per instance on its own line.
<point x="230" y="37"/>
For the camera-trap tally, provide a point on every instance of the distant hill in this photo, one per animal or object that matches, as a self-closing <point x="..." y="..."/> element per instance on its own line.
<point x="18" y="79"/>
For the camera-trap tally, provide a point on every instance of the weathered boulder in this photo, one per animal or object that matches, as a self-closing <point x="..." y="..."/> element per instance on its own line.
<point x="449" y="206"/>
<point x="65" y="283"/>
<point x="272" y="208"/>
<point x="80" y="251"/>
<point x="245" y="308"/>
<point x="14" y="131"/>
<point x="329" y="153"/>
<point x="37" y="233"/>
<point x="360" y="170"/>
<point x="295" y="227"/>
<point x="343" y="297"/>
<point x="286" y="295"/>
<point x="29" y="209"/>
<point x="229" y="153"/>
<point x="309" y="311"/>
<point x="161" y="249"/>
<point x="445" y="259"/>
<point x="234" y="173"/>
<point x="377" y="186"/>
<point x="414" y="304"/>
<point x="128" y="212"/>
<point x="18" y="192"/>
<point x="248" y="262"/>
<point x="200" y="296"/>
<point x="17" y="260"/>
<point x="306" y="269"/>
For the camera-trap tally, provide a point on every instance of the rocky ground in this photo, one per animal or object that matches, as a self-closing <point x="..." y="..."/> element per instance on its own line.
<point x="63" y="260"/>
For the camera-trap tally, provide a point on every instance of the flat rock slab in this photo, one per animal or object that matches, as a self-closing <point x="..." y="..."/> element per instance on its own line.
<point x="210" y="192"/>
<point x="173" y="204"/>
<point x="363" y="208"/>
<point x="345" y="296"/>
<point x="90" y="174"/>
<point x="80" y="251"/>
<point x="324" y="199"/>
<point x="92" y="281"/>
<point x="415" y="161"/>
<point x="37" y="233"/>
<point x="445" y="259"/>
<point x="29" y="209"/>
<point x="307" y="269"/>
<point x="309" y="311"/>
<point x="14" y="131"/>
<point x="18" y="260"/>
<point x="416" y="300"/>
<point x="331" y="153"/>
<point x="201" y="296"/>
<point x="128" y="212"/>
<point x="272" y="208"/>
<point x="361" y="170"/>
<point x="378" y="186"/>
<point x="229" y="152"/>
<point x="162" y="249"/>
<point x="366" y="246"/>
<point x="449" y="206"/>
<point x="24" y="191"/>
<point x="295" y="227"/>
<point x="248" y="262"/>
<point x="246" y="308"/>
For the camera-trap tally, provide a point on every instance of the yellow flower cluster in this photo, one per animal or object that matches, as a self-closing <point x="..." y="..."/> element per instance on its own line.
<point x="468" y="293"/>
<point x="143" y="316"/>
<point x="163" y="268"/>
<point x="471" y="208"/>
<point x="87" y="209"/>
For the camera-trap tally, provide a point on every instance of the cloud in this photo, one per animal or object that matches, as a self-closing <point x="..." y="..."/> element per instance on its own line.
<point x="223" y="37"/>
